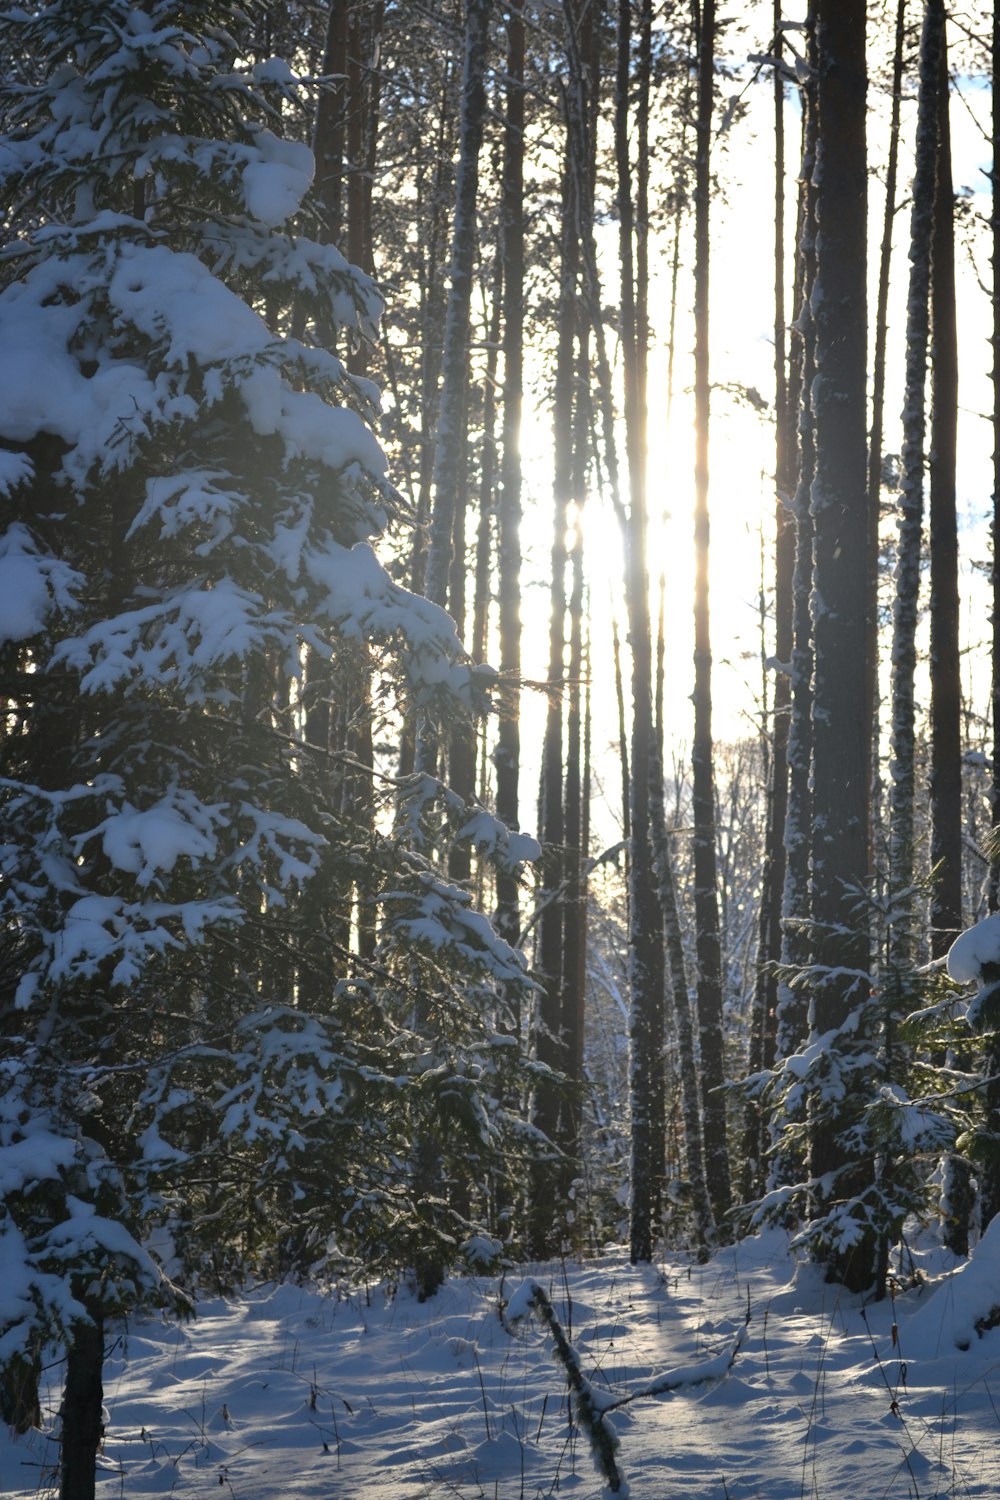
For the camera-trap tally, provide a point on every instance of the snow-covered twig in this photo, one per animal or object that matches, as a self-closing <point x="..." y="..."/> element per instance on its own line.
<point x="686" y="1377"/>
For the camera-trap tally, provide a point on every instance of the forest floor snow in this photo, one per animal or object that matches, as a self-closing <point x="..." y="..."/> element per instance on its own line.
<point x="305" y="1394"/>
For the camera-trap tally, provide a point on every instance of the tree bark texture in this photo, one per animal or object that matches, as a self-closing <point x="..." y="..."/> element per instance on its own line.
<point x="841" y="645"/>
<point x="994" y="879"/>
<point x="878" y="398"/>
<point x="507" y="756"/>
<point x="765" y="995"/>
<point x="550" y="1040"/>
<point x="20" y="1403"/>
<point x="643" y="90"/>
<point x="434" y="198"/>
<point x="83" y="1399"/>
<point x="989" y="1178"/>
<point x="448" y="450"/>
<point x="574" y="962"/>
<point x="708" y="943"/>
<point x="946" y="681"/>
<point x="792" y="1020"/>
<point x="676" y="981"/>
<point x="645" y="925"/>
<point x="839" y="493"/>
<point x="574" y="956"/>
<point x="330" y="132"/>
<point x="488" y="470"/>
<point x="911" y="506"/>
<point x="623" y="756"/>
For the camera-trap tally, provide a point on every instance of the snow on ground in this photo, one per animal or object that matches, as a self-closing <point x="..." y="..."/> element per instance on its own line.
<point x="291" y="1394"/>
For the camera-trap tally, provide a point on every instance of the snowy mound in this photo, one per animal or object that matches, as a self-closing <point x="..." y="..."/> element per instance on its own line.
<point x="954" y="1315"/>
<point x="974" y="950"/>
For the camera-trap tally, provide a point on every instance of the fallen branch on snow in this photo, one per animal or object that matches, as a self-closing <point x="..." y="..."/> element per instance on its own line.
<point x="686" y="1377"/>
<point x="593" y="1406"/>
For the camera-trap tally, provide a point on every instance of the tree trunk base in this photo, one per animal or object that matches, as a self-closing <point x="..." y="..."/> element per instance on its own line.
<point x="83" y="1401"/>
<point x="20" y="1406"/>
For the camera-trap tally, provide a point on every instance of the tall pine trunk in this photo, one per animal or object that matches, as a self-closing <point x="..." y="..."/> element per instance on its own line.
<point x="450" y="470"/>
<point x="707" y="937"/>
<point x="841" y="739"/>
<point x="994" y="879"/>
<point x="575" y="814"/>
<point x="645" y="922"/>
<point x="574" y="913"/>
<point x="990" y="1179"/>
<point x="330" y="130"/>
<point x="550" y="1041"/>
<point x="658" y="1081"/>
<point x="946" y="682"/>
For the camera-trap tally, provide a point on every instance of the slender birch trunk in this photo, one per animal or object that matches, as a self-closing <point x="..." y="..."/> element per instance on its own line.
<point x="461" y="743"/>
<point x="507" y="757"/>
<point x="363" y="100"/>
<point x="878" y="402"/>
<point x="792" y="1020"/>
<point x="488" y="471"/>
<point x="574" y="953"/>
<point x="765" y="996"/>
<point x="616" y="648"/>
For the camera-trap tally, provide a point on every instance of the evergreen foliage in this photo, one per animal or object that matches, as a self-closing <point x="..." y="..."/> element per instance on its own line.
<point x="911" y="1094"/>
<point x="198" y="1055"/>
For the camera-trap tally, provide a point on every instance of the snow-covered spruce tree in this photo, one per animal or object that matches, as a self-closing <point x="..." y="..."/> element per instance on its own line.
<point x="874" y="1087"/>
<point x="965" y="1028"/>
<point x="191" y="1040"/>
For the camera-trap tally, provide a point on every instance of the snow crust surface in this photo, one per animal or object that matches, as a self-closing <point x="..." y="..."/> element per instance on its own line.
<point x="298" y="1394"/>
